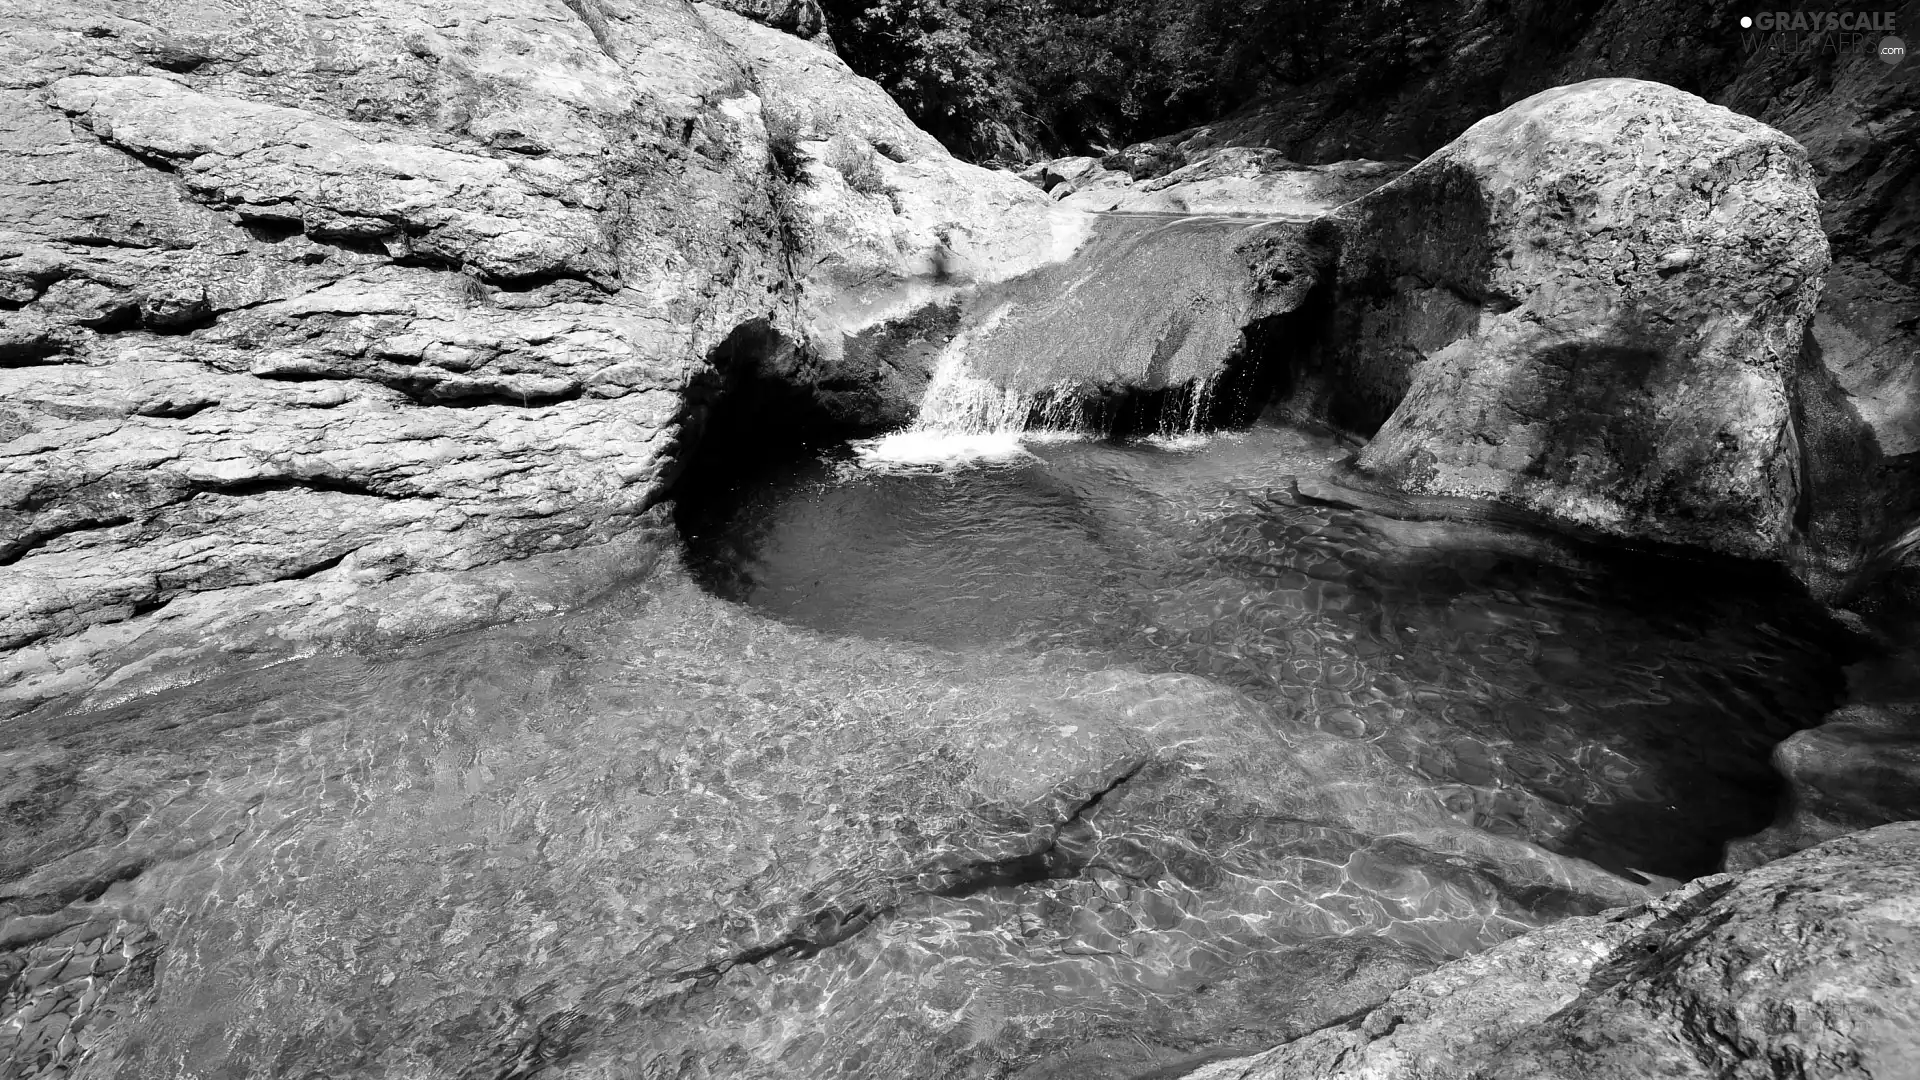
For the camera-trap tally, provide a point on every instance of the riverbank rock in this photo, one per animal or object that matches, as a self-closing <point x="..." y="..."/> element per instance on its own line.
<point x="1430" y="74"/>
<point x="323" y="325"/>
<point x="1231" y="180"/>
<point x="1592" y="305"/>
<point x="1807" y="967"/>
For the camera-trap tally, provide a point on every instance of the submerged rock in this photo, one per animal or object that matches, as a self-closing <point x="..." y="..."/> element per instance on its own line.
<point x="1592" y="305"/>
<point x="1807" y="967"/>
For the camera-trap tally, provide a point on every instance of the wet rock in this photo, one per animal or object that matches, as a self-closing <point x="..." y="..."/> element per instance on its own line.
<point x="1511" y="317"/>
<point x="1805" y="967"/>
<point x="1858" y="769"/>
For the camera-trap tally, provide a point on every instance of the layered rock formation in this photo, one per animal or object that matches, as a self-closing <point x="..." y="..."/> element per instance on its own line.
<point x="1805" y="968"/>
<point x="1592" y="305"/>
<point x="323" y="325"/>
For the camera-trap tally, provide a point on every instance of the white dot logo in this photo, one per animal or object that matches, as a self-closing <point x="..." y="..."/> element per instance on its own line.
<point x="1746" y="22"/>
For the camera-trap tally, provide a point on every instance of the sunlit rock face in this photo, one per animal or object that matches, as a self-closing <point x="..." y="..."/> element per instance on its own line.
<point x="1591" y="304"/>
<point x="321" y="324"/>
<point x="1803" y="968"/>
<point x="881" y="224"/>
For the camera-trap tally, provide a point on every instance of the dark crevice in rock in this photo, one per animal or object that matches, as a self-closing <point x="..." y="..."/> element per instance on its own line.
<point x="273" y="230"/>
<point x="146" y="157"/>
<point x="268" y="485"/>
<point x="96" y="241"/>
<point x="434" y="392"/>
<point x="174" y="410"/>
<point x="317" y="568"/>
<point x="34" y="539"/>
<point x="746" y="412"/>
<point x="34" y="352"/>
<point x="527" y="283"/>
<point x="179" y="324"/>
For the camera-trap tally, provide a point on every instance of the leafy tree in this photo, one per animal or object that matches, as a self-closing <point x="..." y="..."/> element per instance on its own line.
<point x="998" y="77"/>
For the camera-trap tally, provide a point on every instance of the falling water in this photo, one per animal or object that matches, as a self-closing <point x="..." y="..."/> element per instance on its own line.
<point x="965" y="419"/>
<point x="1130" y="337"/>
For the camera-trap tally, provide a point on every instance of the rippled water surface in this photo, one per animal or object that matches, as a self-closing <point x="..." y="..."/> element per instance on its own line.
<point x="1613" y="706"/>
<point x="1088" y="764"/>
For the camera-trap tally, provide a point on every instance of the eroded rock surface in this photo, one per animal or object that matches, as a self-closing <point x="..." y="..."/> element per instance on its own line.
<point x="1592" y="305"/>
<point x="322" y="325"/>
<point x="1806" y="967"/>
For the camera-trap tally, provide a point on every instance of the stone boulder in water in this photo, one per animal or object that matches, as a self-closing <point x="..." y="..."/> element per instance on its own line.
<point x="1591" y="304"/>
<point x="1808" y="967"/>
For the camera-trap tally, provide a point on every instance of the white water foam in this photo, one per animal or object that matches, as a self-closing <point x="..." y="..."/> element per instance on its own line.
<point x="964" y="419"/>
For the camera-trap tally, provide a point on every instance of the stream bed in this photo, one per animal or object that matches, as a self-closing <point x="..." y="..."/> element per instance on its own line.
<point x="1083" y="760"/>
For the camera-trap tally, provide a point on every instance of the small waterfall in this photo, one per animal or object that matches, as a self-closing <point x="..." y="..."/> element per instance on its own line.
<point x="967" y="419"/>
<point x="1136" y="336"/>
<point x="958" y="402"/>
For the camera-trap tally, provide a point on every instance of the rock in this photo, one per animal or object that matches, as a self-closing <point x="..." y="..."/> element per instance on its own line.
<point x="329" y="326"/>
<point x="882" y="208"/>
<point x="1858" y="769"/>
<point x="883" y="218"/>
<point x="1512" y="316"/>
<point x="1807" y="967"/>
<point x="1428" y="75"/>
<point x="1232" y="180"/>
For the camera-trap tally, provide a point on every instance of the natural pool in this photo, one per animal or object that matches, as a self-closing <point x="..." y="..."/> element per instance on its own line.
<point x="1089" y="761"/>
<point x="1610" y="705"/>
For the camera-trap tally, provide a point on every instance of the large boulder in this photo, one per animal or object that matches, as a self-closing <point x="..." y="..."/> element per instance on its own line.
<point x="342" y="323"/>
<point x="1421" y="77"/>
<point x="1592" y="305"/>
<point x="1808" y="967"/>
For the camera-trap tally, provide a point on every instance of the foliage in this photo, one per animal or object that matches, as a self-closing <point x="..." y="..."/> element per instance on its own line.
<point x="783" y="143"/>
<point x="1010" y="78"/>
<point x="855" y="163"/>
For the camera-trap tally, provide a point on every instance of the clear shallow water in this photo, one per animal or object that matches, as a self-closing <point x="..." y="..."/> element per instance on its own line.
<point x="1613" y="706"/>
<point x="1156" y="764"/>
